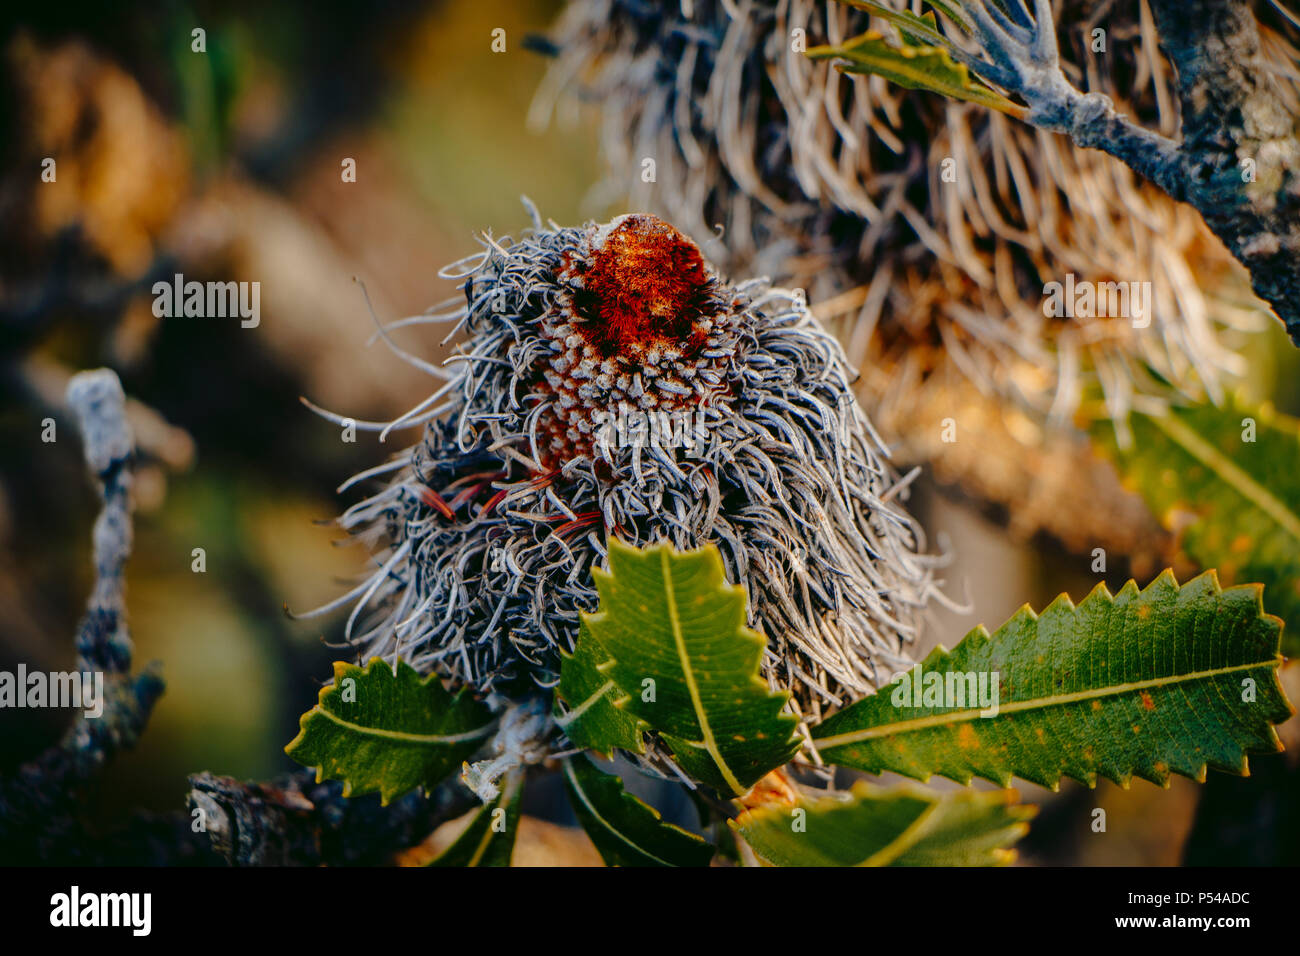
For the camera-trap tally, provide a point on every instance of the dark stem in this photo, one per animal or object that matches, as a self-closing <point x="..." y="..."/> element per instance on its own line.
<point x="1232" y="118"/>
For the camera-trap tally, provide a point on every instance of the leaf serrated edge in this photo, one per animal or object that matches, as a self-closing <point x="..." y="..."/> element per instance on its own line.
<point x="968" y="83"/>
<point x="344" y="669"/>
<point x="982" y="634"/>
<point x="608" y="689"/>
<point x="572" y="779"/>
<point x="906" y="20"/>
<point x="717" y="579"/>
<point x="1017" y="825"/>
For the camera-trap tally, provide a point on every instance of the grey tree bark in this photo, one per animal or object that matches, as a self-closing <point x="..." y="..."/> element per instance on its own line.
<point x="1237" y="158"/>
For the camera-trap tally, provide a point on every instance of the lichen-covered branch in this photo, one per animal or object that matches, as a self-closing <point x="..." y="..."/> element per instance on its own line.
<point x="1232" y="115"/>
<point x="1237" y="161"/>
<point x="291" y="821"/>
<point x="40" y="803"/>
<point x="103" y="643"/>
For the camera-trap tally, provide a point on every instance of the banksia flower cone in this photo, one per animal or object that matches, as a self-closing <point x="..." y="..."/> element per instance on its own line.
<point x="611" y="384"/>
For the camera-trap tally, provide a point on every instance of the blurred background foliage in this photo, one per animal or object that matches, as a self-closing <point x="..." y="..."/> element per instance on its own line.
<point x="226" y="165"/>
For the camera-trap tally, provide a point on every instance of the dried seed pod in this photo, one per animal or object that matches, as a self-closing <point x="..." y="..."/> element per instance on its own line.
<point x="560" y="425"/>
<point x="925" y="229"/>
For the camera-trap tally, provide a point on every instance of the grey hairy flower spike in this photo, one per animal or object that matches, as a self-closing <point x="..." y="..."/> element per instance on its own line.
<point x="537" y="448"/>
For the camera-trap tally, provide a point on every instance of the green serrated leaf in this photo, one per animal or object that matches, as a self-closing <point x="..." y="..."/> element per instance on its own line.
<point x="1234" y="503"/>
<point x="392" y="732"/>
<point x="489" y="840"/>
<point x="914" y="29"/>
<point x="591" y="720"/>
<point x="953" y="12"/>
<point x="918" y="67"/>
<point x="1146" y="684"/>
<point x="671" y="618"/>
<point x="922" y="30"/>
<point x="900" y="826"/>
<point x="625" y="831"/>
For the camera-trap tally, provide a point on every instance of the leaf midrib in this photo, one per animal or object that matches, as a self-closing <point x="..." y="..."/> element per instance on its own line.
<point x="899" y="844"/>
<point x="975" y="92"/>
<point x="688" y="674"/>
<point x="1037" y="703"/>
<point x="582" y="795"/>
<point x="406" y="737"/>
<point x="902" y="20"/>
<point x="904" y="841"/>
<point x="507" y="794"/>
<point x="565" y="719"/>
<point x="1231" y="473"/>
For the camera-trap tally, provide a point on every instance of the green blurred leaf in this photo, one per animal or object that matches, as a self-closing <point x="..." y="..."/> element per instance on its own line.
<point x="592" y="721"/>
<point x="392" y="732"/>
<point x="914" y="67"/>
<point x="1234" y="503"/>
<point x="670" y="618"/>
<point x="625" y="831"/>
<point x="1145" y="683"/>
<point x="489" y="840"/>
<point x="901" y="826"/>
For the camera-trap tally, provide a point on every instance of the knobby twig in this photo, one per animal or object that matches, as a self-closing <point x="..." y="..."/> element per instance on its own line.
<point x="40" y="805"/>
<point x="290" y="821"/>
